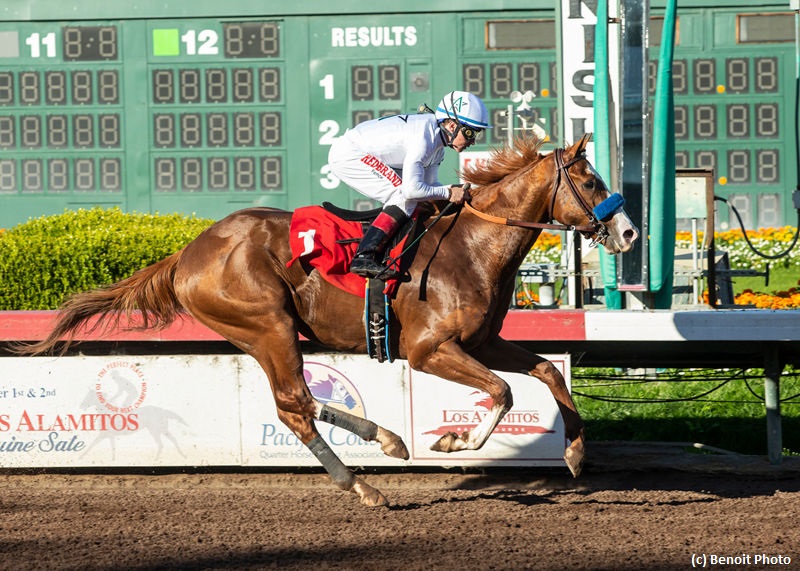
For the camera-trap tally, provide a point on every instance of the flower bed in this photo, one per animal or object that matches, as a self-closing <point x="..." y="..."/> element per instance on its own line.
<point x="770" y="241"/>
<point x="789" y="299"/>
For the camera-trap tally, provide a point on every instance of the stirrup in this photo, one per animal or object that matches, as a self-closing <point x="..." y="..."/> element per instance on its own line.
<point x="369" y="268"/>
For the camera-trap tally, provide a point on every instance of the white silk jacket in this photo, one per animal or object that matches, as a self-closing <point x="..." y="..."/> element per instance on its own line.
<point x="412" y="145"/>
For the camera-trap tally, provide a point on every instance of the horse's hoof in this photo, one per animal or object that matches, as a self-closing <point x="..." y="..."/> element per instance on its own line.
<point x="392" y="445"/>
<point x="368" y="495"/>
<point x="449" y="442"/>
<point x="444" y="443"/>
<point x="573" y="456"/>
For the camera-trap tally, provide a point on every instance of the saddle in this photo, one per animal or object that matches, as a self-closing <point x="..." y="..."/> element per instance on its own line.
<point x="364" y="216"/>
<point x="326" y="238"/>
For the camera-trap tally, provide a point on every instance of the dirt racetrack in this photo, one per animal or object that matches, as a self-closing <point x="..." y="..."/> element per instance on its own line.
<point x="610" y="518"/>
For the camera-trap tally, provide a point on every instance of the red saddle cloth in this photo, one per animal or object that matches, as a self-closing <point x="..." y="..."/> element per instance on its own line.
<point x="314" y="236"/>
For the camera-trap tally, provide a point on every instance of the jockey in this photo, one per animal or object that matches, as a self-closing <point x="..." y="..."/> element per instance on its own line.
<point x="395" y="160"/>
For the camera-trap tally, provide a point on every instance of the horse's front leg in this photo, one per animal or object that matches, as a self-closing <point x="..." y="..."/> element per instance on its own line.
<point x="502" y="355"/>
<point x="450" y="362"/>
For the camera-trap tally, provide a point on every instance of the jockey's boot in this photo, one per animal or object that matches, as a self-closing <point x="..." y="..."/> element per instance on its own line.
<point x="370" y="251"/>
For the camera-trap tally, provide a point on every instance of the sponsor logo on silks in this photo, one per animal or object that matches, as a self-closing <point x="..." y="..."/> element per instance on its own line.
<point x="387" y="172"/>
<point x="333" y="388"/>
<point x="515" y="422"/>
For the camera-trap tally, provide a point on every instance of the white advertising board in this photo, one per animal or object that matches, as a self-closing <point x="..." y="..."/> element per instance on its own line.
<point x="217" y="410"/>
<point x="531" y="433"/>
<point x="353" y="383"/>
<point x="118" y="411"/>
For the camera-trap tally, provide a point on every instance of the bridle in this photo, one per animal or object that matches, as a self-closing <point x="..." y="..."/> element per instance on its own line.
<point x="595" y="227"/>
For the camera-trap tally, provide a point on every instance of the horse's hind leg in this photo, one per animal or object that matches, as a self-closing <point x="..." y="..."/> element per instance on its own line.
<point x="341" y="475"/>
<point x="503" y="355"/>
<point x="279" y="355"/>
<point x="242" y="296"/>
<point x="391" y="444"/>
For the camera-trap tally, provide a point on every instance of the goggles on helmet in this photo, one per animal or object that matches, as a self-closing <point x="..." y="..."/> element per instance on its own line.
<point x="469" y="132"/>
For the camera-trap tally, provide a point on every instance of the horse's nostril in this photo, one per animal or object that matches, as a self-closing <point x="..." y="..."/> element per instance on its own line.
<point x="629" y="235"/>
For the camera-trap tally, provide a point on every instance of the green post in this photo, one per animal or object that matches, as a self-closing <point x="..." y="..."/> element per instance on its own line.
<point x="604" y="131"/>
<point x="662" y="172"/>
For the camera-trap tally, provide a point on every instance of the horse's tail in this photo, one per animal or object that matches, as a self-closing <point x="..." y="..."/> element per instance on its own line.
<point x="150" y="290"/>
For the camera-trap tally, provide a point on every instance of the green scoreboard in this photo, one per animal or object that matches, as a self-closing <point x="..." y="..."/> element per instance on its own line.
<point x="734" y="91"/>
<point x="162" y="110"/>
<point x="61" y="126"/>
<point x="214" y="113"/>
<point x="157" y="115"/>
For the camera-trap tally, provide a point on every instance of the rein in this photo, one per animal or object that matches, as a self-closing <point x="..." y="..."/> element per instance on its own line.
<point x="391" y="262"/>
<point x="524" y="224"/>
<point x="560" y="166"/>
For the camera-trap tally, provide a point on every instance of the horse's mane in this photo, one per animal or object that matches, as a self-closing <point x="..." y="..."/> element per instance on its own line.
<point x="504" y="161"/>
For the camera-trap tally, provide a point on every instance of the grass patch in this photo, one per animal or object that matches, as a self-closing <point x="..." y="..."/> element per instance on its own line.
<point x="721" y="408"/>
<point x="780" y="279"/>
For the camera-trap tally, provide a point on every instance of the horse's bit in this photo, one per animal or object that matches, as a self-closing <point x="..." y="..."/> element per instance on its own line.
<point x="597" y="215"/>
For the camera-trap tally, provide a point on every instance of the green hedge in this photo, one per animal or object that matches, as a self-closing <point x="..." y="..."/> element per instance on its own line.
<point x="45" y="259"/>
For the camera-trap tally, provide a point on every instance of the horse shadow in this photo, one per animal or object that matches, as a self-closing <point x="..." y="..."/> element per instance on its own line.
<point x="154" y="419"/>
<point x="596" y="485"/>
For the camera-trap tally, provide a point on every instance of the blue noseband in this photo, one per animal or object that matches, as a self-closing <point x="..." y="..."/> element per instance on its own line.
<point x="606" y="209"/>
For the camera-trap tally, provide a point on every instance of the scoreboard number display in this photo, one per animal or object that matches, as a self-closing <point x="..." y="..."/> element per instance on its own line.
<point x="733" y="103"/>
<point x="215" y="107"/>
<point x="206" y="115"/>
<point x="89" y="43"/>
<point x="199" y="107"/>
<point x="61" y="126"/>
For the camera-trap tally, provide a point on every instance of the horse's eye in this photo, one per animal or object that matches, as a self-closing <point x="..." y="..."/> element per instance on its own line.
<point x="589" y="184"/>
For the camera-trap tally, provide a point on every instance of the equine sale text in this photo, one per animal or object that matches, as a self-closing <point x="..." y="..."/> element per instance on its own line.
<point x="216" y="410"/>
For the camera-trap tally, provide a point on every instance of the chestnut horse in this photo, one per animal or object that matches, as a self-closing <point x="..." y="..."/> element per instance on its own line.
<point x="234" y="278"/>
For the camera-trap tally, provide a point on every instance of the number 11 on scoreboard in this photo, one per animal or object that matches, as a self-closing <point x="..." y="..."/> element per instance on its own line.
<point x="35" y="41"/>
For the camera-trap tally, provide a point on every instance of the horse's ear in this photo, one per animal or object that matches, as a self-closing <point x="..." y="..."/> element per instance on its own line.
<point x="579" y="147"/>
